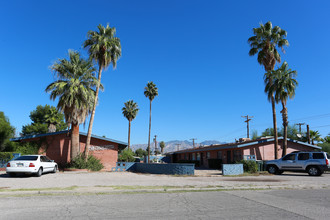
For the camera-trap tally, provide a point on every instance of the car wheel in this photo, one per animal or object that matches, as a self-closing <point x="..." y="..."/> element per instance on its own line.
<point x="39" y="173"/>
<point x="272" y="169"/>
<point x="314" y="171"/>
<point x="55" y="169"/>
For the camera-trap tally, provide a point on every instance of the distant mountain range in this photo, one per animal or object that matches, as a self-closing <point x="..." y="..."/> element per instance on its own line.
<point x="171" y="146"/>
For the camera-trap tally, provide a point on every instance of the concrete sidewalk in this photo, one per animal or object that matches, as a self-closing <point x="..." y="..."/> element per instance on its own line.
<point x="126" y="182"/>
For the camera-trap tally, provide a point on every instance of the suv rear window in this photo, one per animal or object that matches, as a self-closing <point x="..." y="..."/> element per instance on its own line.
<point x="303" y="156"/>
<point x="27" y="158"/>
<point x="318" y="156"/>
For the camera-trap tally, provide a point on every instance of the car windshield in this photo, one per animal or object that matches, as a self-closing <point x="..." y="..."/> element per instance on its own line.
<point x="27" y="158"/>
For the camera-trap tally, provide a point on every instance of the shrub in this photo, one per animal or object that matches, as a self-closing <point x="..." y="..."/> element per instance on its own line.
<point x="249" y="166"/>
<point x="27" y="148"/>
<point x="92" y="163"/>
<point x="6" y="156"/>
<point x="126" y="155"/>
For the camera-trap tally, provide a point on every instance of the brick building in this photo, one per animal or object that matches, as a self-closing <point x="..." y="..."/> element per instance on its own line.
<point x="262" y="149"/>
<point x="57" y="147"/>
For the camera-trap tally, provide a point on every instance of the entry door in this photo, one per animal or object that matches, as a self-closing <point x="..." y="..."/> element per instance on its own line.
<point x="228" y="156"/>
<point x="202" y="159"/>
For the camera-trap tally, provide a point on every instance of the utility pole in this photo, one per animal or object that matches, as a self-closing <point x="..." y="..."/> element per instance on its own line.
<point x="308" y="135"/>
<point x="156" y="149"/>
<point x="247" y="123"/>
<point x="300" y="124"/>
<point x="178" y="146"/>
<point x="193" y="139"/>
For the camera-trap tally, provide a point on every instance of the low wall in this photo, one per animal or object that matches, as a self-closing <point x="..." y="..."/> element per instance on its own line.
<point x="154" y="168"/>
<point x="170" y="168"/>
<point x="232" y="169"/>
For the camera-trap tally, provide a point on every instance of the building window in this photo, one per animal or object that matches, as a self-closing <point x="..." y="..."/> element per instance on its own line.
<point x="237" y="155"/>
<point x="193" y="156"/>
<point x="219" y="154"/>
<point x="208" y="155"/>
<point x="185" y="156"/>
<point x="198" y="156"/>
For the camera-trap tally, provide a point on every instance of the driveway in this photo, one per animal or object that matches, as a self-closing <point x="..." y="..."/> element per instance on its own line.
<point x="121" y="179"/>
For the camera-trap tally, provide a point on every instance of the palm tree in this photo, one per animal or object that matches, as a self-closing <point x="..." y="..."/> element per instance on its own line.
<point x="75" y="90"/>
<point x="104" y="48"/>
<point x="314" y="136"/>
<point x="130" y="111"/>
<point x="264" y="43"/>
<point x="281" y="85"/>
<point x="162" y="146"/>
<point x="150" y="91"/>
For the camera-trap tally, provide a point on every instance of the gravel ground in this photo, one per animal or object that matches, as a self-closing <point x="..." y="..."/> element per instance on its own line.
<point x="203" y="178"/>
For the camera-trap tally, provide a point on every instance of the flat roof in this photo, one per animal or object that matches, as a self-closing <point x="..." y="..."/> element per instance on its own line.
<point x="66" y="131"/>
<point x="239" y="145"/>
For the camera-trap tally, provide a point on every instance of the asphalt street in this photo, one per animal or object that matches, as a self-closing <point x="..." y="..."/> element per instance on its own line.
<point x="237" y="204"/>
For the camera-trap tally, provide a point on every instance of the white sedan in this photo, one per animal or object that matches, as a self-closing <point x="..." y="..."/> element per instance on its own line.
<point x="31" y="164"/>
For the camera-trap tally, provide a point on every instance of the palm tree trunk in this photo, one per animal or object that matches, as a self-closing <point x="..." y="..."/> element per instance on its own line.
<point x="149" y="134"/>
<point x="74" y="140"/>
<point x="129" y="134"/>
<point x="285" y="130"/>
<point x="275" y="128"/>
<point x="91" y="121"/>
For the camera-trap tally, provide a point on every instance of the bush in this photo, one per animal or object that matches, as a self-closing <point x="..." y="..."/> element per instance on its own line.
<point x="6" y="156"/>
<point x="27" y="148"/>
<point x="92" y="163"/>
<point x="249" y="166"/>
<point x="126" y="155"/>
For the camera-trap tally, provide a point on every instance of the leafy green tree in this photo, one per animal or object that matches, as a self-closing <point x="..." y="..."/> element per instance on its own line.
<point x="292" y="132"/>
<point x="75" y="90"/>
<point x="6" y="132"/>
<point x="141" y="153"/>
<point x="126" y="155"/>
<point x="104" y="48"/>
<point x="325" y="147"/>
<point x="281" y="85"/>
<point x="162" y="146"/>
<point x="265" y="41"/>
<point x="130" y="111"/>
<point x="44" y="119"/>
<point x="254" y="135"/>
<point x="150" y="91"/>
<point x="268" y="132"/>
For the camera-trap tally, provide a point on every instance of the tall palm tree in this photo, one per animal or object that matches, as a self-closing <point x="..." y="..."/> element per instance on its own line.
<point x="281" y="85"/>
<point x="265" y="41"/>
<point x="75" y="92"/>
<point x="150" y="91"/>
<point x="104" y="48"/>
<point x="130" y="111"/>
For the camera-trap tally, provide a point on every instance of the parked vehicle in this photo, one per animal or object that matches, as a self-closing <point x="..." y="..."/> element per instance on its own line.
<point x="31" y="164"/>
<point x="314" y="163"/>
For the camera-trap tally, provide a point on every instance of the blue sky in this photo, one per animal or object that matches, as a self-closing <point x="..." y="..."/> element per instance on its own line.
<point x="196" y="52"/>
